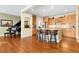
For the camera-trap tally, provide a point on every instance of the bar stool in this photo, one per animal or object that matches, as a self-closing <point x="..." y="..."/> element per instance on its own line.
<point x="46" y="33"/>
<point x="40" y="34"/>
<point x="53" y="33"/>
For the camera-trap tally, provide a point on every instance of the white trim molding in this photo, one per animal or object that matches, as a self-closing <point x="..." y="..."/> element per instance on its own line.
<point x="77" y="20"/>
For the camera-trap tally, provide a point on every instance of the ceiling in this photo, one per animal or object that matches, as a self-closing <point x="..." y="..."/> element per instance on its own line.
<point x="51" y="10"/>
<point x="11" y="9"/>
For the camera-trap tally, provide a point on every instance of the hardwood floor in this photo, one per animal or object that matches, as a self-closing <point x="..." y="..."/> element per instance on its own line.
<point x="32" y="44"/>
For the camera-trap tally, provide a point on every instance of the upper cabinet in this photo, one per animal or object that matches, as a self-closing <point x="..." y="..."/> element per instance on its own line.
<point x="67" y="19"/>
<point x="45" y="19"/>
<point x="51" y="21"/>
<point x="60" y="20"/>
<point x="33" y="20"/>
<point x="70" y="19"/>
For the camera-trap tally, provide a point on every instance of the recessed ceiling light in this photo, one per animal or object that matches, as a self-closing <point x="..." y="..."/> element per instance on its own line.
<point x="52" y="7"/>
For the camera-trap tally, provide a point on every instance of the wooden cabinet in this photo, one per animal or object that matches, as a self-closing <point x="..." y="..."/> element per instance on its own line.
<point x="69" y="33"/>
<point x="45" y="19"/>
<point x="60" y="20"/>
<point x="71" y="20"/>
<point x="33" y="25"/>
<point x="50" y="21"/>
<point x="67" y="19"/>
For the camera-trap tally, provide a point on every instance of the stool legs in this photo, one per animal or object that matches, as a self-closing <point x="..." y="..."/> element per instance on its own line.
<point x="40" y="36"/>
<point x="50" y="37"/>
<point x="55" y="38"/>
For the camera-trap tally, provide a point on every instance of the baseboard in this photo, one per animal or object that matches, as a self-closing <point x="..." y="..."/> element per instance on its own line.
<point x="1" y="35"/>
<point x="25" y="36"/>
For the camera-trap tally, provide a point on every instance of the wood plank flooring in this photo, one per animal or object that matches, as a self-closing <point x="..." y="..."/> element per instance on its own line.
<point x="33" y="45"/>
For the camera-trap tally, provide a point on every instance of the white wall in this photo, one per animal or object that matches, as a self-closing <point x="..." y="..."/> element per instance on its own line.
<point x="39" y="21"/>
<point x="26" y="32"/>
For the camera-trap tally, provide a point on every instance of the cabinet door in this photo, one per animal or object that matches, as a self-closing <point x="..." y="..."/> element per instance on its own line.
<point x="50" y="21"/>
<point x="69" y="33"/>
<point x="60" y="20"/>
<point x="34" y="25"/>
<point x="45" y="20"/>
<point x="71" y="20"/>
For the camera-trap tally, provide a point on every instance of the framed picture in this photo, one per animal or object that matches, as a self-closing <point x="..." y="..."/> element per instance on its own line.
<point x="6" y="23"/>
<point x="27" y="22"/>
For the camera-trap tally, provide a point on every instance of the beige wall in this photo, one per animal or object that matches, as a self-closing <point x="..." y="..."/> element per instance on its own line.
<point x="14" y="18"/>
<point x="26" y="32"/>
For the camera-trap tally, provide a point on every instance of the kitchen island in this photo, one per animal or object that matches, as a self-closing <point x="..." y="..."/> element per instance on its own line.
<point x="51" y="34"/>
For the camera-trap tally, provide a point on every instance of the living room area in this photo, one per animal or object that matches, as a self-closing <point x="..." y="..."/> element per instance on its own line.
<point x="10" y="25"/>
<point x="39" y="28"/>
